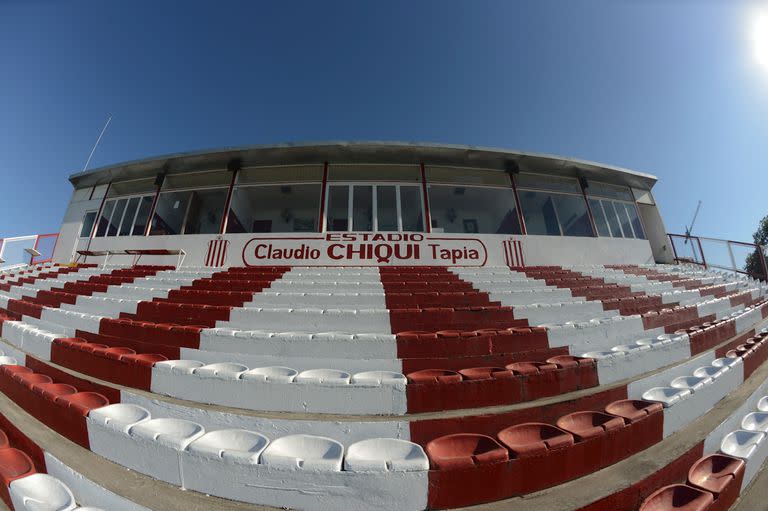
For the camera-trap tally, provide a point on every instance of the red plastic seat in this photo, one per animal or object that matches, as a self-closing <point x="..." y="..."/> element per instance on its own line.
<point x="15" y="369"/>
<point x="92" y="347"/>
<point x="144" y="359"/>
<point x="83" y="402"/>
<point x="4" y="442"/>
<point x="530" y="367"/>
<point x="53" y="390"/>
<point x="533" y="439"/>
<point x="715" y="472"/>
<point x="117" y="353"/>
<point x="70" y="341"/>
<point x="31" y="379"/>
<point x="633" y="409"/>
<point x="464" y="450"/>
<point x="589" y="424"/>
<point x="677" y="497"/>
<point x="434" y="376"/>
<point x="484" y="373"/>
<point x="563" y="361"/>
<point x="14" y="464"/>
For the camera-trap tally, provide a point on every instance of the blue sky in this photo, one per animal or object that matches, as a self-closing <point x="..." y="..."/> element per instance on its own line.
<point x="669" y="87"/>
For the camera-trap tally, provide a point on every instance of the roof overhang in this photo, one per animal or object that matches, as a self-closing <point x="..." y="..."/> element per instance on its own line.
<point x="364" y="152"/>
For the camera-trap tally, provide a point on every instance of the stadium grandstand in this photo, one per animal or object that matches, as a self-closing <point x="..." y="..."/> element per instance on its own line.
<point x="379" y="326"/>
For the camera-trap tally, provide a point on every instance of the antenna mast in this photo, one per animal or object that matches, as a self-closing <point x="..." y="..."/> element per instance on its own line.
<point x="689" y="229"/>
<point x="97" y="142"/>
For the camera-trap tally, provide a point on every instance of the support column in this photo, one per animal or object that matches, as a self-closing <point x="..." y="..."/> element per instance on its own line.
<point x="427" y="215"/>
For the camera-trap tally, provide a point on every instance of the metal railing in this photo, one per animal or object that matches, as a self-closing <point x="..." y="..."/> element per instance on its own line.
<point x="13" y="253"/>
<point x="735" y="256"/>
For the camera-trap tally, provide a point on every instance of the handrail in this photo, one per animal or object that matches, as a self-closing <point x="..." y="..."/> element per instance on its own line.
<point x="691" y="249"/>
<point x="12" y="249"/>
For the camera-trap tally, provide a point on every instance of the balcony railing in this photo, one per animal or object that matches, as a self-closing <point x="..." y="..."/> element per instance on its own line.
<point x="13" y="254"/>
<point x="735" y="256"/>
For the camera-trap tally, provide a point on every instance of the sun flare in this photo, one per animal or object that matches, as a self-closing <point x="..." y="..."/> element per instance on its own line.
<point x="760" y="38"/>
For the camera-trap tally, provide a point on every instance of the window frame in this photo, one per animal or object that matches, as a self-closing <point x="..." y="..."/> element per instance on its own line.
<point x="279" y="184"/>
<point x="374" y="204"/>
<point x="186" y="210"/>
<point x="122" y="217"/>
<point x="94" y="225"/>
<point x="522" y="189"/>
<point x="486" y="186"/>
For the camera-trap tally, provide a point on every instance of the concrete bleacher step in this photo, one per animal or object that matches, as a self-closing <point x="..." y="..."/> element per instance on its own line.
<point x="709" y="363"/>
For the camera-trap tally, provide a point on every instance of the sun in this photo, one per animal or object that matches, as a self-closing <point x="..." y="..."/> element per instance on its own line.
<point x="760" y="38"/>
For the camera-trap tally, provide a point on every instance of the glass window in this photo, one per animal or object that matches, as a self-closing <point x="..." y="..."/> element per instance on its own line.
<point x="197" y="180"/>
<point x="643" y="196"/>
<point x="613" y="219"/>
<point x="468" y="176"/>
<point x="287" y="174"/>
<point x="88" y="219"/>
<point x="539" y="213"/>
<point x="374" y="173"/>
<point x="610" y="191"/>
<point x="462" y="209"/>
<point x="572" y="214"/>
<point x="134" y="187"/>
<point x="140" y="225"/>
<point x="411" y="208"/>
<point x="386" y="208"/>
<point x="130" y="213"/>
<point x="169" y="213"/>
<point x="205" y="211"/>
<point x="117" y="216"/>
<point x="637" y="225"/>
<point x="106" y="213"/>
<point x="544" y="182"/>
<point x="273" y="208"/>
<point x="362" y="208"/>
<point x="626" y="225"/>
<point x="99" y="191"/>
<point x="599" y="215"/>
<point x="338" y="208"/>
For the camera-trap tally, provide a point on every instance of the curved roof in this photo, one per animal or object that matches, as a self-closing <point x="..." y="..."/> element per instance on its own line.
<point x="363" y="152"/>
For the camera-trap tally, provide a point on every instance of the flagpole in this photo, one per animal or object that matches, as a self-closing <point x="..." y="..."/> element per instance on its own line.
<point x="97" y="142"/>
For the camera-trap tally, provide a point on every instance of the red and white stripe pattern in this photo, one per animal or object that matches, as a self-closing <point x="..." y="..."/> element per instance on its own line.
<point x="513" y="253"/>
<point x="216" y="256"/>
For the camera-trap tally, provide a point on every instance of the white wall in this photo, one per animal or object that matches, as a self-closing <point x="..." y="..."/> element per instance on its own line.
<point x="462" y="249"/>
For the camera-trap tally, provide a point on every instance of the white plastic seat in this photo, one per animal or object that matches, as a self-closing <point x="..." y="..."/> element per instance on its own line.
<point x="173" y="433"/>
<point x="385" y="455"/>
<point x="726" y="362"/>
<point x="379" y="378"/>
<point x="270" y="374"/>
<point x="324" y="376"/>
<point x="306" y="452"/>
<point x="741" y="443"/>
<point x="667" y="396"/>
<point x="89" y="508"/>
<point x="599" y="355"/>
<point x="119" y="416"/>
<point x="237" y="445"/>
<point x="178" y="366"/>
<point x="762" y="405"/>
<point x="708" y="372"/>
<point x="41" y="492"/>
<point x="755" y="421"/>
<point x="690" y="382"/>
<point x="631" y="347"/>
<point x="7" y="361"/>
<point x="220" y="371"/>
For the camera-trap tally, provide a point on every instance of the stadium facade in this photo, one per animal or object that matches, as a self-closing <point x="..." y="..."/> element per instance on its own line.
<point x="378" y="327"/>
<point x="319" y="204"/>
